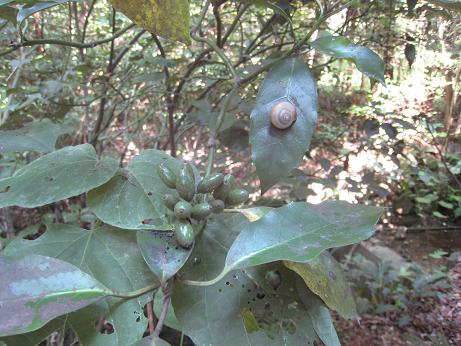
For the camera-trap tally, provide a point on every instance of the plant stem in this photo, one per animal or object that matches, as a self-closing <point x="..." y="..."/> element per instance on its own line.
<point x="167" y="291"/>
<point x="28" y="43"/>
<point x="207" y="283"/>
<point x="136" y="293"/>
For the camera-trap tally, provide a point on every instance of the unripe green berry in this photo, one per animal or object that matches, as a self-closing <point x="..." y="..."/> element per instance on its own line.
<point x="237" y="196"/>
<point x="210" y="183"/>
<point x="201" y="211"/>
<point x="184" y="234"/>
<point x="182" y="210"/>
<point x="223" y="190"/>
<point x="185" y="182"/>
<point x="166" y="175"/>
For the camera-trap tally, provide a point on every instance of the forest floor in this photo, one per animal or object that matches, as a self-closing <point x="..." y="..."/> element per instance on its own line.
<point x="429" y="320"/>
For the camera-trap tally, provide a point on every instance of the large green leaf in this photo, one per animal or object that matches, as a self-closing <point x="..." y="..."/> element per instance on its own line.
<point x="319" y="314"/>
<point x="169" y="19"/>
<point x="220" y="314"/>
<point x="111" y="256"/>
<point x="448" y="4"/>
<point x="162" y="254"/>
<point x="61" y="174"/>
<point x="300" y="232"/>
<point x="277" y="152"/>
<point x="365" y="59"/>
<point x="39" y="136"/>
<point x="133" y="198"/>
<point x="325" y="277"/>
<point x="35" y="289"/>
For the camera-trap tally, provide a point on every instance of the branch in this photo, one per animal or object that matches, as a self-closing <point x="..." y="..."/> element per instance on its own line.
<point x="29" y="43"/>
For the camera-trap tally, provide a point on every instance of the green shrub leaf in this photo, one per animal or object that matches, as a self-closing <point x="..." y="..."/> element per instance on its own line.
<point x="300" y="232"/>
<point x="35" y="289"/>
<point x="61" y="174"/>
<point x="276" y="152"/>
<point x="365" y="59"/>
<point x="133" y="198"/>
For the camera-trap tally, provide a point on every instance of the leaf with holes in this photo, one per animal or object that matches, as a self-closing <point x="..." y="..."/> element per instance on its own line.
<point x="168" y="19"/>
<point x="224" y="313"/>
<point x="277" y="152"/>
<point x="300" y="232"/>
<point x="61" y="174"/>
<point x="35" y="289"/>
<point x="133" y="198"/>
<point x="325" y="277"/>
<point x="111" y="256"/>
<point x="367" y="61"/>
<point x="162" y="254"/>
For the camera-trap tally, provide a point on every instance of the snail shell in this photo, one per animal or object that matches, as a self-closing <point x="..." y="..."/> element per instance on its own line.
<point x="283" y="115"/>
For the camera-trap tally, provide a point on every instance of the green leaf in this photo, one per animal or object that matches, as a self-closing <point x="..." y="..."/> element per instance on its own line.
<point x="319" y="314"/>
<point x="367" y="61"/>
<point x="8" y="13"/>
<point x="36" y="6"/>
<point x="454" y="5"/>
<point x="35" y="289"/>
<point x="168" y="19"/>
<point x="111" y="256"/>
<point x="133" y="198"/>
<point x="39" y="136"/>
<point x="219" y="314"/>
<point x="300" y="232"/>
<point x="276" y="152"/>
<point x="61" y="174"/>
<point x="162" y="254"/>
<point x="325" y="277"/>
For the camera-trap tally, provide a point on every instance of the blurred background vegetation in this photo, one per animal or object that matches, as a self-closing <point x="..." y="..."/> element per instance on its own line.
<point x="123" y="89"/>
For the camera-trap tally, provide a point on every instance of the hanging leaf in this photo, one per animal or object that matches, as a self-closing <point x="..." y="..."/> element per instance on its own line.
<point x="39" y="136"/>
<point x="277" y="152"/>
<point x="319" y="314"/>
<point x="35" y="289"/>
<point x="325" y="277"/>
<point x="168" y="19"/>
<point x="367" y="61"/>
<point x="112" y="257"/>
<point x="133" y="198"/>
<point x="61" y="174"/>
<point x="162" y="254"/>
<point x="300" y="232"/>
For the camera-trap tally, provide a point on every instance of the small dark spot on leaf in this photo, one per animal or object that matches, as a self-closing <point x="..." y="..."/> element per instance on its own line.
<point x="219" y="290"/>
<point x="227" y="283"/>
<point x="260" y="295"/>
<point x="6" y="189"/>
<point x="149" y="193"/>
<point x="49" y="178"/>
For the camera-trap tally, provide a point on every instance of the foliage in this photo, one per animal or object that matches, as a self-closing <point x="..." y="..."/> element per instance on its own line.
<point x="154" y="206"/>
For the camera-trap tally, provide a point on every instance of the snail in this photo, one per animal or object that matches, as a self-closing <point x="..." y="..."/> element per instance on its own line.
<point x="283" y="115"/>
